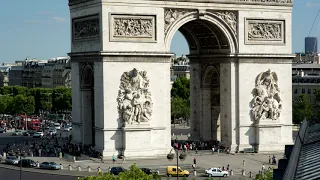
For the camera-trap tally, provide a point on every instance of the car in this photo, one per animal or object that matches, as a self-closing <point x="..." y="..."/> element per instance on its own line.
<point x="216" y="172"/>
<point x="2" y="130"/>
<point x="57" y="126"/>
<point x="149" y="171"/>
<point x="27" y="163"/>
<point x="29" y="133"/>
<point x="67" y="128"/>
<point x="172" y="171"/>
<point x="38" y="134"/>
<point x="12" y="160"/>
<point x="116" y="170"/>
<point x="50" y="165"/>
<point x="18" y="133"/>
<point x="52" y="132"/>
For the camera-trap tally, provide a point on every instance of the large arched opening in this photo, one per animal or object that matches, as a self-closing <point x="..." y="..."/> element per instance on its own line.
<point x="87" y="94"/>
<point x="210" y="42"/>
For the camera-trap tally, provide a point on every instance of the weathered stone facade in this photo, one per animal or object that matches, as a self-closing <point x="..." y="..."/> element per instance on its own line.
<point x="230" y="45"/>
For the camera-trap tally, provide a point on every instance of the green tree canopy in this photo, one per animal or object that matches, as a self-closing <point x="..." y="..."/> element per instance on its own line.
<point x="302" y="108"/>
<point x="181" y="88"/>
<point x="133" y="173"/>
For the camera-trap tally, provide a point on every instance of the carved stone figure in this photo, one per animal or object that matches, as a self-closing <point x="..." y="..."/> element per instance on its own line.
<point x="86" y="29"/>
<point x="133" y="27"/>
<point x="172" y="15"/>
<point x="264" y="31"/>
<point x="266" y="103"/>
<point x="230" y="18"/>
<point x="134" y="97"/>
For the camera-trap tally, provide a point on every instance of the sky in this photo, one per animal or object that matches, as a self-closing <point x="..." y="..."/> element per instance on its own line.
<point x="41" y="28"/>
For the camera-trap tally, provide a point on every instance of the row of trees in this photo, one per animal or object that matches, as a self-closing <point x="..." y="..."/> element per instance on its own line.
<point x="19" y="100"/>
<point x="180" y="99"/>
<point x="302" y="108"/>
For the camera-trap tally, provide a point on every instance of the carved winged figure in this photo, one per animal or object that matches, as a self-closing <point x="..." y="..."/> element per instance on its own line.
<point x="134" y="97"/>
<point x="266" y="103"/>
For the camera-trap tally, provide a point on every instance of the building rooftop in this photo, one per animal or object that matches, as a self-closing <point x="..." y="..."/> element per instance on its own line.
<point x="309" y="158"/>
<point x="305" y="66"/>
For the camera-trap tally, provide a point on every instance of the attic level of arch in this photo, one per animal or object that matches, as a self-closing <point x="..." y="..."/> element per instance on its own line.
<point x="260" y="2"/>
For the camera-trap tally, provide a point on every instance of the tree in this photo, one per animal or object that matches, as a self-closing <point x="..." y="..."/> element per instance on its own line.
<point x="133" y="173"/>
<point x="302" y="108"/>
<point x="268" y="175"/>
<point x="181" y="88"/>
<point x="22" y="104"/>
<point x="63" y="99"/>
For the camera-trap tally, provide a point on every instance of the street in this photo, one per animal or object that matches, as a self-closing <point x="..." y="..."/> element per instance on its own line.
<point x="6" y="174"/>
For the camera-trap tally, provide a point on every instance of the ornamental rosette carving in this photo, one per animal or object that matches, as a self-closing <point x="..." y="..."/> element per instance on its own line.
<point x="134" y="97"/>
<point x="172" y="15"/>
<point x="229" y="18"/>
<point x="266" y="103"/>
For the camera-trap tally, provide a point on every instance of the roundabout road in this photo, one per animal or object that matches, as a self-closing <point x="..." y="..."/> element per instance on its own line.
<point x="12" y="174"/>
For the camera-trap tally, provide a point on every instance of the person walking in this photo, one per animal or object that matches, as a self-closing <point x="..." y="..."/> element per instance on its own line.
<point x="123" y="159"/>
<point x="212" y="149"/>
<point x="114" y="159"/>
<point x="195" y="162"/>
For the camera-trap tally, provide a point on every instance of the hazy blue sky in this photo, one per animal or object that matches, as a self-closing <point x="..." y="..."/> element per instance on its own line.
<point x="41" y="28"/>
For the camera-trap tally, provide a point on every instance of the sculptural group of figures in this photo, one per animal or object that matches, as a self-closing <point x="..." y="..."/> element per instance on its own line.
<point x="134" y="98"/>
<point x="266" y="103"/>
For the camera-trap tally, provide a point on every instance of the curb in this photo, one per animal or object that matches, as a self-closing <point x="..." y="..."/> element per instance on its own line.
<point x="33" y="170"/>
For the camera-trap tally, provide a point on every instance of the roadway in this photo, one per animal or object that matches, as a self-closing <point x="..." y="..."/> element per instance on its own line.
<point x="12" y="174"/>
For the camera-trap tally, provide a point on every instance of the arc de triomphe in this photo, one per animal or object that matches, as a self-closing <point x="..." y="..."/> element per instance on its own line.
<point x="240" y="56"/>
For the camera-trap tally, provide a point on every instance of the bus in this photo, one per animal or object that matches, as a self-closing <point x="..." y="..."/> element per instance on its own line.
<point x="33" y="123"/>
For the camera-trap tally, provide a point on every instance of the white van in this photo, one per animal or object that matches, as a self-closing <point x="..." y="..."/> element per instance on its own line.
<point x="57" y="126"/>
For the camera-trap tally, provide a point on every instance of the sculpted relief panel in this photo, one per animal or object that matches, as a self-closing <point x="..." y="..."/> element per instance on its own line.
<point x="133" y="28"/>
<point x="265" y="32"/>
<point x="266" y="104"/>
<point x="172" y="15"/>
<point x="134" y="97"/>
<point x="86" y="34"/>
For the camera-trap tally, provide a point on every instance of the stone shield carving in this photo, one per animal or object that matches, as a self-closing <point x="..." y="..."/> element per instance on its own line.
<point x="266" y="103"/>
<point x="134" y="97"/>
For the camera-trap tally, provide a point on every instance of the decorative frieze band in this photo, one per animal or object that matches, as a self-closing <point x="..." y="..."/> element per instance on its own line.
<point x="86" y="28"/>
<point x="265" y="31"/>
<point x="140" y="28"/>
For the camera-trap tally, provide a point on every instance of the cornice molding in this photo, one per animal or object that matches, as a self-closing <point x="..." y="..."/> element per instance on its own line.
<point x="74" y="2"/>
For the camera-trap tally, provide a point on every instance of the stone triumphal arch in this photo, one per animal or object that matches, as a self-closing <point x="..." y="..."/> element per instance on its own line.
<point x="240" y="54"/>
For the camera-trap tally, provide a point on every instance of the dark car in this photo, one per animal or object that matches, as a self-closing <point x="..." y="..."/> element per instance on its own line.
<point x="116" y="170"/>
<point x="27" y="163"/>
<point x="29" y="133"/>
<point x="149" y="171"/>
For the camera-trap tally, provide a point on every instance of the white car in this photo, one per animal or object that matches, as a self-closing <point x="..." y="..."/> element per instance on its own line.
<point x="216" y="172"/>
<point x="52" y="132"/>
<point x="68" y="128"/>
<point x="12" y="160"/>
<point x="38" y="134"/>
<point x="57" y="126"/>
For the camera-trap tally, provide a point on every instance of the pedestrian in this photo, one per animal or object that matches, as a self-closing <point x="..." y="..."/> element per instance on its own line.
<point x="228" y="167"/>
<point x="196" y="150"/>
<point x="263" y="167"/>
<point x="113" y="159"/>
<point x="212" y="149"/>
<point x="195" y="162"/>
<point x="123" y="159"/>
<point x="269" y="160"/>
<point x="60" y="155"/>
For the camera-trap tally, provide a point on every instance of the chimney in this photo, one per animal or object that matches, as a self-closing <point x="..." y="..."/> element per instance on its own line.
<point x="302" y="73"/>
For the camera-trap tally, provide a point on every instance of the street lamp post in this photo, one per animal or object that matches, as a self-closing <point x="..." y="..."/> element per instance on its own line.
<point x="182" y="157"/>
<point x="20" y="162"/>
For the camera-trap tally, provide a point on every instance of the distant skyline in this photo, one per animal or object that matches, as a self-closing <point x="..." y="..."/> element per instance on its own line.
<point x="41" y="29"/>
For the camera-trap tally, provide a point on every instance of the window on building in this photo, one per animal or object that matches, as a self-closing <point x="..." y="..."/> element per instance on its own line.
<point x="295" y="91"/>
<point x="303" y="91"/>
<point x="309" y="91"/>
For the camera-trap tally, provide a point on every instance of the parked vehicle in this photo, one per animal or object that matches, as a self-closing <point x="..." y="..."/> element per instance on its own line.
<point x="38" y="134"/>
<point x="172" y="171"/>
<point x="18" y="133"/>
<point x="216" y="172"/>
<point x="27" y="163"/>
<point x="50" y="165"/>
<point x="116" y="170"/>
<point x="149" y="171"/>
<point x="52" y="132"/>
<point x="2" y="130"/>
<point x="67" y="128"/>
<point x="57" y="126"/>
<point x="12" y="160"/>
